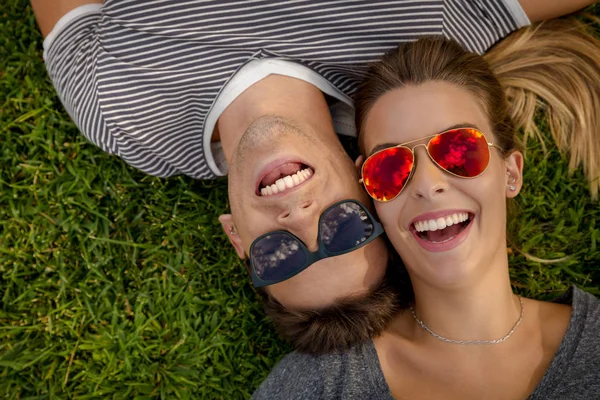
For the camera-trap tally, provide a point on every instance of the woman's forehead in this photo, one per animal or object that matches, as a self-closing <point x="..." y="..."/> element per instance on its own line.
<point x="416" y="111"/>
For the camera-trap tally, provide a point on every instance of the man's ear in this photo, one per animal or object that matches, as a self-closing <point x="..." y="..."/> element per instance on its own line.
<point x="359" y="162"/>
<point x="514" y="174"/>
<point x="226" y="221"/>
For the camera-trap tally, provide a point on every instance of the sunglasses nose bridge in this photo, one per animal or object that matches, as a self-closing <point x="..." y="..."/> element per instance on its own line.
<point x="427" y="177"/>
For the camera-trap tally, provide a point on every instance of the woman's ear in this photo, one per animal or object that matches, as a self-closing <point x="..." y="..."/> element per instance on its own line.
<point x="228" y="225"/>
<point x="514" y="174"/>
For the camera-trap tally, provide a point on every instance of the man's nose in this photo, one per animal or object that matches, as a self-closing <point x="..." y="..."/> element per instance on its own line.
<point x="302" y="220"/>
<point x="428" y="180"/>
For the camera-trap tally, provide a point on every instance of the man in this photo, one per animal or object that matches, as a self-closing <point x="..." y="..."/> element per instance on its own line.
<point x="205" y="88"/>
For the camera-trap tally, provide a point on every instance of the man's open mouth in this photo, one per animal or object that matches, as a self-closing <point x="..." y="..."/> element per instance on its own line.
<point x="443" y="229"/>
<point x="284" y="177"/>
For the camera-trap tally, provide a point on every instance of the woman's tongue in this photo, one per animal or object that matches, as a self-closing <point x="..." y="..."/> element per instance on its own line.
<point x="442" y="235"/>
<point x="280" y="172"/>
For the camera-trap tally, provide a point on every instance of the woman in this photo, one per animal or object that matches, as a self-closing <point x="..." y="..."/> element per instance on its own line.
<point x="466" y="334"/>
<point x="442" y="161"/>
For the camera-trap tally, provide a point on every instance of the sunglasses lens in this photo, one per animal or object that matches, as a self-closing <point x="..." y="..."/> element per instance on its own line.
<point x="463" y="152"/>
<point x="385" y="173"/>
<point x="344" y="227"/>
<point x="277" y="256"/>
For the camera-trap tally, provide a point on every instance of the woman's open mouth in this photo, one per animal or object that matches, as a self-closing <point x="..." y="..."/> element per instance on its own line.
<point x="442" y="233"/>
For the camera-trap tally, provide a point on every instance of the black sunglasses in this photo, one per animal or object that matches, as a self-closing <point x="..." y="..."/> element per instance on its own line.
<point x="343" y="227"/>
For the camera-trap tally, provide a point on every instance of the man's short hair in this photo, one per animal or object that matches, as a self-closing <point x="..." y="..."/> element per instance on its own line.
<point x="348" y="322"/>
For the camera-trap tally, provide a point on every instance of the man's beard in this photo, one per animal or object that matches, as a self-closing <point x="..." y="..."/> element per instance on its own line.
<point x="348" y="322"/>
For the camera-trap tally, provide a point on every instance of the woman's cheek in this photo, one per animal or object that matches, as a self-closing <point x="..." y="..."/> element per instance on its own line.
<point x="388" y="213"/>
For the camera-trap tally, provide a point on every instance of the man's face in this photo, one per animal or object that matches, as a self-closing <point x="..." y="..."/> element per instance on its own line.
<point x="267" y="192"/>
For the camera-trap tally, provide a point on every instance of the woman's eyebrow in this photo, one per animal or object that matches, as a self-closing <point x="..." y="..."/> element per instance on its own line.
<point x="462" y="125"/>
<point x="381" y="147"/>
<point x="457" y="126"/>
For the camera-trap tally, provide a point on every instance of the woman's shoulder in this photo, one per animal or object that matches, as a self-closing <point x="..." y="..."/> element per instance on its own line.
<point x="585" y="305"/>
<point x="586" y="314"/>
<point x="573" y="373"/>
<point x="576" y="313"/>
<point x="581" y="342"/>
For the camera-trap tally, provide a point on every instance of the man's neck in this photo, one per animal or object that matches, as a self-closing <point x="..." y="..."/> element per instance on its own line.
<point x="276" y="95"/>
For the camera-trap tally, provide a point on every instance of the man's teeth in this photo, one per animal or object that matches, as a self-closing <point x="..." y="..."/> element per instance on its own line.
<point x="441" y="223"/>
<point x="286" y="182"/>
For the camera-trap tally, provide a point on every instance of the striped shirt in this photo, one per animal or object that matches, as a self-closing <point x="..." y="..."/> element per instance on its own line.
<point x="147" y="80"/>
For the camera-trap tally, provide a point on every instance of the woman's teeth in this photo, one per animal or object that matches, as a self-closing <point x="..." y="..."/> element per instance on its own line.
<point x="286" y="182"/>
<point x="441" y="223"/>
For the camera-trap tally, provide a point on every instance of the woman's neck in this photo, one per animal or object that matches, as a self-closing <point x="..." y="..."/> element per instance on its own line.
<point x="484" y="309"/>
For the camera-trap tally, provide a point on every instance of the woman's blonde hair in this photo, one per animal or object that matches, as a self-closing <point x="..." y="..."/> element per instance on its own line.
<point x="553" y="66"/>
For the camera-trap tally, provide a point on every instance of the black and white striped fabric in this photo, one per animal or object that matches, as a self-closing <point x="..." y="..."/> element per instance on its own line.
<point x="140" y="77"/>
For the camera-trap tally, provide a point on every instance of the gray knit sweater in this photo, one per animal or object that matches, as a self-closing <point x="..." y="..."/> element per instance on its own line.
<point x="574" y="372"/>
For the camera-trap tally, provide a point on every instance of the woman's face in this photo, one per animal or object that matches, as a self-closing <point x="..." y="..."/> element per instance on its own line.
<point x="455" y="255"/>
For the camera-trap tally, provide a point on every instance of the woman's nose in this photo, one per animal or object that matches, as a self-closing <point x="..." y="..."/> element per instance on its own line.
<point x="428" y="179"/>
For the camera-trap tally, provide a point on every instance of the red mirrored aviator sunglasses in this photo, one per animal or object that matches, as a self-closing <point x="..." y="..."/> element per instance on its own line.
<point x="463" y="152"/>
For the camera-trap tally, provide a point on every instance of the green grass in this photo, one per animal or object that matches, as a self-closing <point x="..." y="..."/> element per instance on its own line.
<point x="114" y="284"/>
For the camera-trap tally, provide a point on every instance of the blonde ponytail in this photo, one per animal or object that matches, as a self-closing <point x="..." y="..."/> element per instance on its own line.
<point x="555" y="66"/>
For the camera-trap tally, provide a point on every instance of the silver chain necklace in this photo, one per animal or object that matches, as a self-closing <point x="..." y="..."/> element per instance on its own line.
<point x="443" y="339"/>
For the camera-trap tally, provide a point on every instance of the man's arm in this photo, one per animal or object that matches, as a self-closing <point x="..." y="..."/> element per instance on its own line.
<point x="48" y="12"/>
<point x="539" y="10"/>
<point x="71" y="49"/>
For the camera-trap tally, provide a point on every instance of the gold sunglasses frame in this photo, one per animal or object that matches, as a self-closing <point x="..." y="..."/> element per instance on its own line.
<point x="426" y="145"/>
